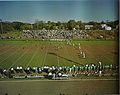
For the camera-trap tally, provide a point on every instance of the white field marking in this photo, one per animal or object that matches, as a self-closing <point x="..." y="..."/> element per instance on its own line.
<point x="18" y="59"/>
<point x="9" y="55"/>
<point x="31" y="58"/>
<point x="44" y="58"/>
<point x="7" y="51"/>
<point x="3" y="54"/>
<point x="4" y="51"/>
<point x="39" y="57"/>
<point x="36" y="52"/>
<point x="16" y="51"/>
<point x="25" y="57"/>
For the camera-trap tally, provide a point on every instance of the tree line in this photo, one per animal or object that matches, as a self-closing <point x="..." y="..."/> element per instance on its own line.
<point x="49" y="25"/>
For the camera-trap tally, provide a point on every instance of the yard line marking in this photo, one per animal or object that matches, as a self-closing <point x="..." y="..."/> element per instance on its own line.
<point x="31" y="58"/>
<point x="68" y="52"/>
<point x="18" y="59"/>
<point x="6" y="51"/>
<point x="36" y="53"/>
<point x="14" y="53"/>
<point x="39" y="56"/>
<point x="9" y="56"/>
<point x="25" y="57"/>
<point x="44" y="58"/>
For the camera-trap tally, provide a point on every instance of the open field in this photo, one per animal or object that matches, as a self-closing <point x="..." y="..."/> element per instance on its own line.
<point x="81" y="87"/>
<point x="40" y="53"/>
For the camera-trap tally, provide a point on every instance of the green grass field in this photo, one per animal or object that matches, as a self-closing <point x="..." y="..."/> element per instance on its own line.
<point x="40" y="53"/>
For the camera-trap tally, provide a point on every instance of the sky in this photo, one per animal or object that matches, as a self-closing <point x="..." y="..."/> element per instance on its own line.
<point x="80" y="10"/>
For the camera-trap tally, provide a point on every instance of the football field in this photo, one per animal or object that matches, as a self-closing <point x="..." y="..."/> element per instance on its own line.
<point x="57" y="53"/>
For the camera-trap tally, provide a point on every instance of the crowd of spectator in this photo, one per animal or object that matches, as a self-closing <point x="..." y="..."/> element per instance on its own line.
<point x="54" y="34"/>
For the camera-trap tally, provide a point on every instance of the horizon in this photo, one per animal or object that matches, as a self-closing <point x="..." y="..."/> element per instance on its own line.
<point x="63" y="11"/>
<point x="57" y="21"/>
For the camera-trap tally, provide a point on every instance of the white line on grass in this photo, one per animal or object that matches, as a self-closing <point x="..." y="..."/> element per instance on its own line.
<point x="9" y="56"/>
<point x="25" y="57"/>
<point x="36" y="53"/>
<point x="15" y="52"/>
<point x="18" y="59"/>
<point x="31" y="58"/>
<point x="39" y="55"/>
<point x="44" y="58"/>
<point x="7" y="51"/>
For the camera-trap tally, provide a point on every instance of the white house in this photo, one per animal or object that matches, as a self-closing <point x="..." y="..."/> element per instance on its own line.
<point x="106" y="27"/>
<point x="103" y="25"/>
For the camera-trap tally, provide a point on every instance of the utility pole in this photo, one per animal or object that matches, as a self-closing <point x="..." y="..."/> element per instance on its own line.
<point x="1" y="26"/>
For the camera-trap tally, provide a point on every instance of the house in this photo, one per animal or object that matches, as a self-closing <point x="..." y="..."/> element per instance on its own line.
<point x="104" y="26"/>
<point x="88" y="27"/>
<point x="108" y="28"/>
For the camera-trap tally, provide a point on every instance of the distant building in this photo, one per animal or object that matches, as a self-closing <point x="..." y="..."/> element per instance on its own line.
<point x="88" y="27"/>
<point x="108" y="28"/>
<point x="104" y="26"/>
